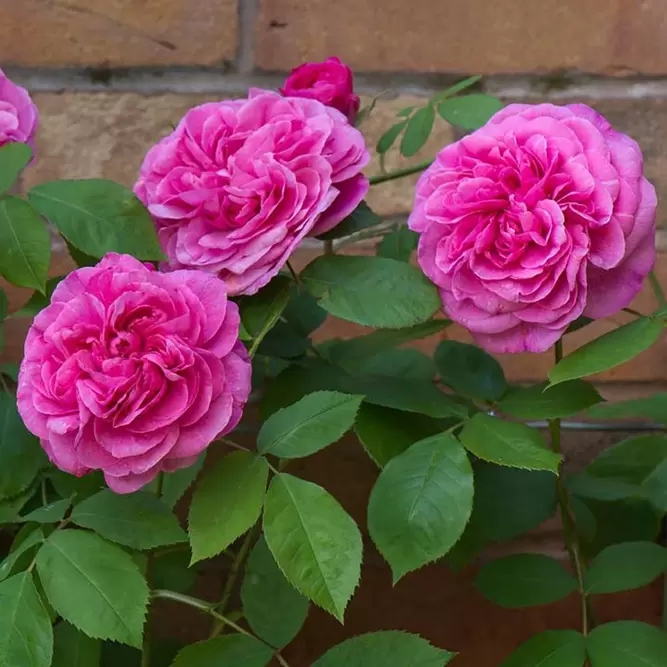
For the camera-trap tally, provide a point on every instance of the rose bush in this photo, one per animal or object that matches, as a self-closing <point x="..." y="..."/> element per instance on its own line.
<point x="330" y="82"/>
<point x="240" y="183"/>
<point x="133" y="368"/>
<point x="133" y="372"/>
<point x="540" y="216"/>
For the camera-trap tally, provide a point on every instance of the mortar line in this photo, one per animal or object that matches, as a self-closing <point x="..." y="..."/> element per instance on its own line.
<point x="245" y="54"/>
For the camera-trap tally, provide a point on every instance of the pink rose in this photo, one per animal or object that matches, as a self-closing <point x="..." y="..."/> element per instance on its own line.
<point x="330" y="82"/>
<point x="18" y="115"/>
<point x="540" y="216"/>
<point x="238" y="184"/>
<point x="132" y="372"/>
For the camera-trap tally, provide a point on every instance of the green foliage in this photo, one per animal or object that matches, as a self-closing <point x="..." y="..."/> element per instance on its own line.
<point x="73" y="648"/>
<point x="26" y="638"/>
<point x="380" y="649"/>
<point x="137" y="520"/>
<point x="398" y="245"/>
<point x="651" y="407"/>
<point x="627" y="644"/>
<point x="388" y="139"/>
<point x="621" y="567"/>
<point x="374" y="291"/>
<point x="175" y="484"/>
<point x="311" y="424"/>
<point x="98" y="216"/>
<point x="524" y="580"/>
<point x="274" y="609"/>
<point x="470" y="371"/>
<point x="361" y="218"/>
<point x="508" y="444"/>
<point x="38" y="301"/>
<point x="314" y="541"/>
<point x="50" y="513"/>
<point x="421" y="503"/>
<point x="27" y="546"/>
<point x="94" y="585"/>
<point x="612" y="349"/>
<point x="417" y="131"/>
<point x="261" y="311"/>
<point x="469" y="111"/>
<point x="21" y="456"/>
<point x="25" y="243"/>
<point x="554" y="648"/>
<point x="542" y="401"/>
<point x="386" y="433"/>
<point x="14" y="158"/>
<point x="226" y="503"/>
<point x="230" y="651"/>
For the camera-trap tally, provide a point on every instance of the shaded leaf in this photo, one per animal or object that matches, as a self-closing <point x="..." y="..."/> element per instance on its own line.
<point x="627" y="644"/>
<point x="72" y="648"/>
<point x="398" y="245"/>
<point x="554" y="648"/>
<point x="544" y="402"/>
<point x="50" y="513"/>
<point x="361" y="218"/>
<point x="34" y="539"/>
<point x="175" y="484"/>
<point x="651" y="407"/>
<point x="230" y="651"/>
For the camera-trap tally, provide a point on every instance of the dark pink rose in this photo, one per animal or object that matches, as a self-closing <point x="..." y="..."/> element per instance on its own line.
<point x="330" y="82"/>
<point x="18" y="115"/>
<point x="540" y="216"/>
<point x="133" y="372"/>
<point x="239" y="183"/>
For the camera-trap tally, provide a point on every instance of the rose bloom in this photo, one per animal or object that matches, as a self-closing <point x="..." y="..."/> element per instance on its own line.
<point x="239" y="183"/>
<point x="540" y="216"/>
<point x="18" y="115"/>
<point x="133" y="372"/>
<point x="331" y="82"/>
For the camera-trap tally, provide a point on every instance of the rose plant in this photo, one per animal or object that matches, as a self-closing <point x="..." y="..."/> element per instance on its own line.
<point x="175" y="372"/>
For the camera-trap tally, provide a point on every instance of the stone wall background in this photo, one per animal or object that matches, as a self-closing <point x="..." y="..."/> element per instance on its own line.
<point x="112" y="76"/>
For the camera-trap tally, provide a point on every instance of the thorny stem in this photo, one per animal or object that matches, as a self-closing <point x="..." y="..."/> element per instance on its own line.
<point x="567" y="516"/>
<point x="400" y="173"/>
<point x="209" y="608"/>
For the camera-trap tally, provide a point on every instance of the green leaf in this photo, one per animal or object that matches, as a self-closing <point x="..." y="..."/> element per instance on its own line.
<point x="554" y="648"/>
<point x="525" y="580"/>
<point x="421" y="503"/>
<point x="137" y="520"/>
<point x="80" y="258"/>
<point x="98" y="216"/>
<point x="631" y="460"/>
<point x="21" y="456"/>
<point x="420" y="396"/>
<point x="38" y="301"/>
<point x="176" y="483"/>
<point x="417" y="131"/>
<point x="14" y="158"/>
<point x="51" y="513"/>
<point x="469" y="111"/>
<point x="612" y="349"/>
<point x="261" y="311"/>
<point x="94" y="585"/>
<point x="26" y="244"/>
<point x="72" y="648"/>
<point x="579" y="323"/>
<point x="373" y="291"/>
<point x="601" y="488"/>
<point x="651" y="407"/>
<point x="622" y="567"/>
<point x="361" y="218"/>
<point x="542" y="401"/>
<point x="35" y="538"/>
<point x="654" y="487"/>
<point x="381" y="649"/>
<point x="388" y="139"/>
<point x="386" y="433"/>
<point x="470" y="371"/>
<point x="80" y="487"/>
<point x="226" y="503"/>
<point x="274" y="609"/>
<point x="406" y="363"/>
<point x="307" y="426"/>
<point x="315" y="542"/>
<point x="398" y="245"/>
<point x="403" y="113"/>
<point x="508" y="444"/>
<point x="350" y="354"/>
<point x="457" y="87"/>
<point x="171" y="570"/>
<point x="627" y="644"/>
<point x="26" y="638"/>
<point x="230" y="651"/>
<point x="10" y="370"/>
<point x="10" y="508"/>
